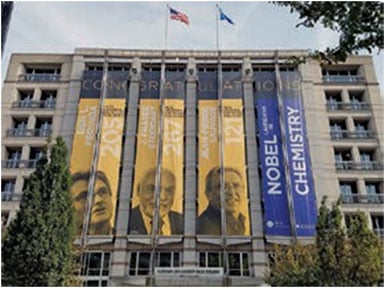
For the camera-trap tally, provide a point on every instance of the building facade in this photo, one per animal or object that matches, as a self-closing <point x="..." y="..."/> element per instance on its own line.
<point x="169" y="137"/>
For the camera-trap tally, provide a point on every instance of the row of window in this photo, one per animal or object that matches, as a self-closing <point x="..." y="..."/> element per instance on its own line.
<point x="43" y="127"/>
<point x="350" y="192"/>
<point x="25" y="99"/>
<point x="357" y="100"/>
<point x="13" y="157"/>
<point x="362" y="129"/>
<point x="368" y="160"/>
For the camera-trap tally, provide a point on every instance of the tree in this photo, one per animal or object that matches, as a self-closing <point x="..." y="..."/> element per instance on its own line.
<point x="360" y="25"/>
<point x="38" y="247"/>
<point x="337" y="258"/>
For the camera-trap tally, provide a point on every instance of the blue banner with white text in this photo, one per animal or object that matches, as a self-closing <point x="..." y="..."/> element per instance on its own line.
<point x="276" y="211"/>
<point x="303" y="195"/>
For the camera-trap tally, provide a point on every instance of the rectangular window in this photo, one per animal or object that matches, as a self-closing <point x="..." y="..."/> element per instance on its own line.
<point x="167" y="259"/>
<point x="373" y="190"/>
<point x="348" y="192"/>
<point x="239" y="264"/>
<point x="7" y="189"/>
<point x="95" y="268"/>
<point x="140" y="263"/>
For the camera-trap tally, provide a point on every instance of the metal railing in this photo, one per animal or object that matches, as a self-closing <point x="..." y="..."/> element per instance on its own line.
<point x="17" y="132"/>
<point x="363" y="199"/>
<point x="45" y="104"/>
<point x="6" y="195"/>
<point x="40" y="77"/>
<point x="14" y="164"/>
<point x="343" y="79"/>
<point x="345" y="134"/>
<point x="352" y="106"/>
<point x="362" y="166"/>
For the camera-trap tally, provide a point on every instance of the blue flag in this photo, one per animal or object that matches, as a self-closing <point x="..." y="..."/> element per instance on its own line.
<point x="223" y="16"/>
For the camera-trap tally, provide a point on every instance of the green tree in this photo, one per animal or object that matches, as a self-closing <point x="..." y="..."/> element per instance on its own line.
<point x="360" y="25"/>
<point x="354" y="258"/>
<point x="38" y="247"/>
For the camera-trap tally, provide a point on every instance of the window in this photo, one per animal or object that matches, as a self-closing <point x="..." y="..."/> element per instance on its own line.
<point x="367" y="158"/>
<point x="343" y="158"/>
<point x="374" y="191"/>
<point x="348" y="191"/>
<point x="378" y="224"/>
<point x="48" y="98"/>
<point x="338" y="129"/>
<point x="25" y="97"/>
<point x="43" y="127"/>
<point x="357" y="100"/>
<point x="210" y="259"/>
<point x="43" y="74"/>
<point x="13" y="158"/>
<point x="140" y="263"/>
<point x="239" y="264"/>
<point x="168" y="259"/>
<point x="19" y="127"/>
<point x="362" y="129"/>
<point x="341" y="74"/>
<point x="35" y="156"/>
<point x="333" y="100"/>
<point x="7" y="189"/>
<point x="95" y="268"/>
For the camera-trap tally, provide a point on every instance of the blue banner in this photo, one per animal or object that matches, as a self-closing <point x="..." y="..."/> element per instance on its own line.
<point x="276" y="211"/>
<point x="302" y="187"/>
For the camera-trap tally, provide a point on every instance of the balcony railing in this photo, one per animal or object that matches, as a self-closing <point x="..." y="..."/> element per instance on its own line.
<point x="363" y="199"/>
<point x="343" y="79"/>
<point x="40" y="77"/>
<point x="345" y="134"/>
<point x="29" y="132"/>
<point x="350" y="165"/>
<point x="12" y="164"/>
<point x="353" y="106"/>
<point x="45" y="104"/>
<point x="6" y="195"/>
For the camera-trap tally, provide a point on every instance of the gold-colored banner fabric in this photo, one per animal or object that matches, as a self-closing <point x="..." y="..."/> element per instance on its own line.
<point x="171" y="192"/>
<point x="209" y="214"/>
<point x="107" y="174"/>
<point x="235" y="190"/>
<point x="143" y="192"/>
<point x="82" y="155"/>
<point x="171" y="182"/>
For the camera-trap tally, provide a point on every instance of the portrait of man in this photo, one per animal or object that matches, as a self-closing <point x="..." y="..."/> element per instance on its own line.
<point x="209" y="222"/>
<point x="170" y="222"/>
<point x="102" y="206"/>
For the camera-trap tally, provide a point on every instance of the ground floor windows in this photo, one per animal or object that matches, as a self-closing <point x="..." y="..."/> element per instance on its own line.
<point x="140" y="262"/>
<point x="95" y="268"/>
<point x="238" y="262"/>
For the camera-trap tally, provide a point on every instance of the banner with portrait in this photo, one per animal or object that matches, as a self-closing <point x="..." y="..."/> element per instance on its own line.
<point x="276" y="211"/>
<point x="301" y="178"/>
<point x="83" y="143"/>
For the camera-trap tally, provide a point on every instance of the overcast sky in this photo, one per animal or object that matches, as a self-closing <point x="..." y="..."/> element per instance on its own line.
<point x="59" y="27"/>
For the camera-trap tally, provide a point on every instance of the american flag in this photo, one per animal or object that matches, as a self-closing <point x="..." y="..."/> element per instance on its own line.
<point x="176" y="15"/>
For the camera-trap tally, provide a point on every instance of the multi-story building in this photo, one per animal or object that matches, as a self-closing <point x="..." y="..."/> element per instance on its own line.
<point x="185" y="133"/>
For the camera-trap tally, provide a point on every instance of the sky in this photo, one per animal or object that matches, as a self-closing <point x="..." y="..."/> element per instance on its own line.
<point x="60" y="27"/>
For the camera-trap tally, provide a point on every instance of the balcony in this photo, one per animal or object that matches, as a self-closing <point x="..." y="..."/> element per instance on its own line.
<point x="6" y="195"/>
<point x="14" y="164"/>
<point x="341" y="106"/>
<point x="361" y="166"/>
<point x="345" y="134"/>
<point x="40" y="77"/>
<point x="45" y="104"/>
<point x="344" y="79"/>
<point x="363" y="199"/>
<point x="28" y="132"/>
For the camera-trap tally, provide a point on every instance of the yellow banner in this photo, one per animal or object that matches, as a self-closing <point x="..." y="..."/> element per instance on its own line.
<point x="82" y="154"/>
<point x="235" y="190"/>
<point x="107" y="173"/>
<point x="209" y="215"/>
<point x="171" y="192"/>
<point x="143" y="192"/>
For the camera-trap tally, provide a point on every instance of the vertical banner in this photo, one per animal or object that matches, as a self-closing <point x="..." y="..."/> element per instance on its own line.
<point x="102" y="217"/>
<point x="143" y="196"/>
<point x="84" y="142"/>
<point x="171" y="172"/>
<point x="304" y="202"/>
<point x="276" y="211"/>
<point x="234" y="157"/>
<point x="209" y="213"/>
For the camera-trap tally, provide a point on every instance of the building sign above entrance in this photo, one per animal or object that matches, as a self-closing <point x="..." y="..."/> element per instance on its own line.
<point x="188" y="271"/>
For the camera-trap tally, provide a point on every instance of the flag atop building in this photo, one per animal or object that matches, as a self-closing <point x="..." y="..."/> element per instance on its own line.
<point x="179" y="16"/>
<point x="223" y="16"/>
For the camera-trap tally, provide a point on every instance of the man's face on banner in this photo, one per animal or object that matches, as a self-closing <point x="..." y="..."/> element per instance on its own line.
<point x="146" y="193"/>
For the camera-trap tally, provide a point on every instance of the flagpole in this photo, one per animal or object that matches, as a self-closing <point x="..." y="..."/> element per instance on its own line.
<point x="166" y="28"/>
<point x="217" y="26"/>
